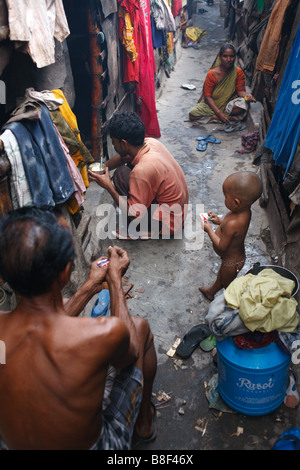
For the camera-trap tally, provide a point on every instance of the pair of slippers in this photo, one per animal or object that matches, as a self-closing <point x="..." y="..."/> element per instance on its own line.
<point x="203" y="141"/>
<point x="198" y="335"/>
<point x="232" y="126"/>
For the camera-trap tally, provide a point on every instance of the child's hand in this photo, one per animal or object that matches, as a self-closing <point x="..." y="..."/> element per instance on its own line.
<point x="214" y="218"/>
<point x="206" y="226"/>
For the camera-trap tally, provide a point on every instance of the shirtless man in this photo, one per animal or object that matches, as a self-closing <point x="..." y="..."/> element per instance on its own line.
<point x="241" y="190"/>
<point x="54" y="390"/>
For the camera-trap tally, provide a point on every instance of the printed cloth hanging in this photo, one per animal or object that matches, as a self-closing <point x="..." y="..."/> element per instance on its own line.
<point x="141" y="70"/>
<point x="44" y="161"/>
<point x="145" y="90"/>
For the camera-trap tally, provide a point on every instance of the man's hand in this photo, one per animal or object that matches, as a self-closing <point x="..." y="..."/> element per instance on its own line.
<point x="102" y="180"/>
<point x="75" y="305"/>
<point x="97" y="273"/>
<point x="118" y="262"/>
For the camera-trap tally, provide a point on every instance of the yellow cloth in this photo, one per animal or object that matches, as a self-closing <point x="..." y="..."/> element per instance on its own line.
<point x="264" y="301"/>
<point x="194" y="34"/>
<point x="127" y="35"/>
<point x="70" y="117"/>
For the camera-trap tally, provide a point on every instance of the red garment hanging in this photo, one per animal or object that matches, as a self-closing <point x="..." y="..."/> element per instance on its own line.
<point x="145" y="89"/>
<point x="142" y="70"/>
<point x="176" y="7"/>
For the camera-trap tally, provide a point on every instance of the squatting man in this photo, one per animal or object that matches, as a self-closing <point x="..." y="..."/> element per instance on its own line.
<point x="148" y="184"/>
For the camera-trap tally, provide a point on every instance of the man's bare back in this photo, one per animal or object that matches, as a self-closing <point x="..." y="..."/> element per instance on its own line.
<point x="50" y="358"/>
<point x="54" y="377"/>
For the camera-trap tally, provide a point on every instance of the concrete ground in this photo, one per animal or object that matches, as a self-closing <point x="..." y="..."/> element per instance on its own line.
<point x="166" y="273"/>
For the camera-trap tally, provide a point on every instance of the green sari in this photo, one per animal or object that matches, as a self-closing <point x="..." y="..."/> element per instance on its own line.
<point x="223" y="92"/>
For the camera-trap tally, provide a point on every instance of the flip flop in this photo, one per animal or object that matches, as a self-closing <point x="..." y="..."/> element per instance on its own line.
<point x="191" y="340"/>
<point x="234" y="127"/>
<point x="208" y="344"/>
<point x="209" y="138"/>
<point x="147" y="440"/>
<point x="202" y="146"/>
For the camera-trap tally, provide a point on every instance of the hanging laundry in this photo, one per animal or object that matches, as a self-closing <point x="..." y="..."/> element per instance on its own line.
<point x="269" y="49"/>
<point x="73" y="204"/>
<point x="34" y="25"/>
<point x="127" y="34"/>
<point x="46" y="97"/>
<point x="284" y="131"/>
<point x="158" y="36"/>
<point x="162" y="15"/>
<point x="109" y="7"/>
<point x="131" y="69"/>
<point x="19" y="188"/>
<point x="141" y="71"/>
<point x="145" y="89"/>
<point x="176" y="7"/>
<point x="66" y="123"/>
<point x="44" y="160"/>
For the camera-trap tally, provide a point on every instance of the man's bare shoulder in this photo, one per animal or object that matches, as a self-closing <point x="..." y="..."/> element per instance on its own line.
<point x="95" y="326"/>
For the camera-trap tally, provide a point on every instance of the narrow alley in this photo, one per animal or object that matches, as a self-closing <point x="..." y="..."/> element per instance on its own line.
<point x="165" y="274"/>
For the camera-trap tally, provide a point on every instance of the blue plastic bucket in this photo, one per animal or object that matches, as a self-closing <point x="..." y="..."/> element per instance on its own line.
<point x="252" y="381"/>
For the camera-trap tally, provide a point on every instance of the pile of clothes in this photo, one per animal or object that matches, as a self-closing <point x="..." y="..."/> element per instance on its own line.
<point x="255" y="310"/>
<point x="47" y="156"/>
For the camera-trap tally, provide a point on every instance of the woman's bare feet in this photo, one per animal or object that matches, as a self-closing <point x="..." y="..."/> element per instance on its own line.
<point x="207" y="293"/>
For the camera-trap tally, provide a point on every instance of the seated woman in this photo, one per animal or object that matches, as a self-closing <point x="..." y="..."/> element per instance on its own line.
<point x="224" y="97"/>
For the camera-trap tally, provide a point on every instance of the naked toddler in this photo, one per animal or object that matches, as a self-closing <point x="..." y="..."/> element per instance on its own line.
<point x="241" y="190"/>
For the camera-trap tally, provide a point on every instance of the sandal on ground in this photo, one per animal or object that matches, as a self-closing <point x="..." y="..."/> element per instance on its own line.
<point x="208" y="344"/>
<point x="233" y="127"/>
<point x="202" y="146"/>
<point x="209" y="138"/>
<point x="191" y="340"/>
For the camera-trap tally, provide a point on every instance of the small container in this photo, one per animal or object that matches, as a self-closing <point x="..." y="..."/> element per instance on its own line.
<point x="97" y="168"/>
<point x="103" y="262"/>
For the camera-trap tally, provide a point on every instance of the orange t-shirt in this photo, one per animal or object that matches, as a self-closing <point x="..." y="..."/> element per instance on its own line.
<point x="211" y="82"/>
<point x="157" y="177"/>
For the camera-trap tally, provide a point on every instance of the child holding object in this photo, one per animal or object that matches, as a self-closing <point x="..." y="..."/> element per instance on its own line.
<point x="241" y="190"/>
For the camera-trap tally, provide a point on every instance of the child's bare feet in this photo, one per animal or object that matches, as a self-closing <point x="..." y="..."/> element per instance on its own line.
<point x="206" y="292"/>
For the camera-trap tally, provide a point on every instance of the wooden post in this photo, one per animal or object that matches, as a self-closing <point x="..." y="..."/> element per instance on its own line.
<point x="97" y="72"/>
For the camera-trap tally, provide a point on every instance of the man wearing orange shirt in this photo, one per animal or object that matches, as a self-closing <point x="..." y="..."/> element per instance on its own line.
<point x="150" y="179"/>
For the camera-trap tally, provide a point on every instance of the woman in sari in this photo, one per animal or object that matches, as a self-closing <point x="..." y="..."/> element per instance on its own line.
<point x="224" y="97"/>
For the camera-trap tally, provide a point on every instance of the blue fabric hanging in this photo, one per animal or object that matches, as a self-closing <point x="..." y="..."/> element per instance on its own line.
<point x="44" y="161"/>
<point x="284" y="131"/>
